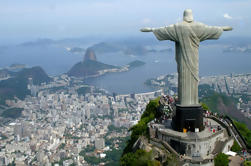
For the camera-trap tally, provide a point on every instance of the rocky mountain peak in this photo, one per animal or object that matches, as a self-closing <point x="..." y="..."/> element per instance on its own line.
<point x="90" y="55"/>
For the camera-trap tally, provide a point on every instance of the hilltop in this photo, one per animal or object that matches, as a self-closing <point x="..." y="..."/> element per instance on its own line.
<point x="88" y="68"/>
<point x="222" y="104"/>
<point x="17" y="84"/>
<point x="90" y="55"/>
<point x="143" y="149"/>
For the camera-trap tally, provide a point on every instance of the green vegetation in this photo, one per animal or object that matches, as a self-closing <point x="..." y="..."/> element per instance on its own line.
<point x="17" y="85"/>
<point x="245" y="132"/>
<point x="60" y="162"/>
<point x="87" y="68"/>
<point x="73" y="164"/>
<point x="112" y="128"/>
<point x="221" y="160"/>
<point x="204" y="106"/>
<point x="222" y="104"/>
<point x="61" y="146"/>
<point x="247" y="163"/>
<point x="13" y="87"/>
<point x="112" y="156"/>
<point x="87" y="150"/>
<point x="83" y="90"/>
<point x="213" y="101"/>
<point x="236" y="147"/>
<point x="70" y="136"/>
<point x="12" y="113"/>
<point x="92" y="160"/>
<point x="141" y="128"/>
<point x="139" y="158"/>
<point x="37" y="74"/>
<point x="205" y="90"/>
<point x="171" y="160"/>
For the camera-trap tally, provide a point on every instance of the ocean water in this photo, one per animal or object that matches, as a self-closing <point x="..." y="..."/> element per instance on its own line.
<point x="212" y="61"/>
<point x="55" y="60"/>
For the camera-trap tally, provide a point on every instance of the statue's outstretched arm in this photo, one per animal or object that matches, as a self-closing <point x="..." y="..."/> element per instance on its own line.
<point x="146" y="29"/>
<point x="227" y="28"/>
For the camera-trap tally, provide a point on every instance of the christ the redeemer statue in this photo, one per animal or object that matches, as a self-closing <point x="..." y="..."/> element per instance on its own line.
<point x="187" y="36"/>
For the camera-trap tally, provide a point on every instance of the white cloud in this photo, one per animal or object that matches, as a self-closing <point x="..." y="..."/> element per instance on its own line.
<point x="227" y="16"/>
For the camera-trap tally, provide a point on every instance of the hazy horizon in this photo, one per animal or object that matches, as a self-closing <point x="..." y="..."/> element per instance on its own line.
<point x="29" y="20"/>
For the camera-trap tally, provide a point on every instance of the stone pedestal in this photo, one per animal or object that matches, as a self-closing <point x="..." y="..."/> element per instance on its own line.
<point x="193" y="148"/>
<point x="188" y="117"/>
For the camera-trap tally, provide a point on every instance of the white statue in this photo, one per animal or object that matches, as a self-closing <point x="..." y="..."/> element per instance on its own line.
<point x="187" y="36"/>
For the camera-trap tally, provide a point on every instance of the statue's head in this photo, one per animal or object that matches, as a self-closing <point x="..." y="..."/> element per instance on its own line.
<point x="188" y="15"/>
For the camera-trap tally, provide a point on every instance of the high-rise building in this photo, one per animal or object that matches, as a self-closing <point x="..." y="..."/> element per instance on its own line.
<point x="88" y="113"/>
<point x="18" y="130"/>
<point x="116" y="113"/>
<point x="99" y="143"/>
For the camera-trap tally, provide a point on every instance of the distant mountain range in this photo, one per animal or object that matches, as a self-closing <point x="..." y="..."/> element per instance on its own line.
<point x="39" y="42"/>
<point x="238" y="49"/>
<point x="17" y="84"/>
<point x="137" y="49"/>
<point x="75" y="50"/>
<point x="124" y="43"/>
<point x="67" y="52"/>
<point x="105" y="47"/>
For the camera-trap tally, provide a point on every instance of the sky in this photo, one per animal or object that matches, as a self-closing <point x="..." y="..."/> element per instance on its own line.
<point x="57" y="19"/>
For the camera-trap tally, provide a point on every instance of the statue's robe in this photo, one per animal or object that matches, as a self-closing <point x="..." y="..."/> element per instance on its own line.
<point x="187" y="37"/>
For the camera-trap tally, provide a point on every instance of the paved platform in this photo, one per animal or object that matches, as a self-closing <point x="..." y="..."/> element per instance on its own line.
<point x="210" y="130"/>
<point x="235" y="160"/>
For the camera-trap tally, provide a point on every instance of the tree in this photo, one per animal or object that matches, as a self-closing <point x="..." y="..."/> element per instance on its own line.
<point x="236" y="147"/>
<point x="204" y="106"/>
<point x="221" y="160"/>
<point x="172" y="160"/>
<point x="247" y="163"/>
<point x="245" y="132"/>
<point x="139" y="158"/>
<point x="141" y="128"/>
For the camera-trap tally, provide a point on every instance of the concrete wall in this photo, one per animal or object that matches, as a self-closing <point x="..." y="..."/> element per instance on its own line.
<point x="228" y="145"/>
<point x="206" y="164"/>
<point x="194" y="148"/>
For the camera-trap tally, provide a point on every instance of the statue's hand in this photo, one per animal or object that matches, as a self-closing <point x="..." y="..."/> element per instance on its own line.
<point x="146" y="29"/>
<point x="227" y="28"/>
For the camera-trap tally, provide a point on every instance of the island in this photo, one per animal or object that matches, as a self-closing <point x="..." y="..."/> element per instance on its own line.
<point x="90" y="67"/>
